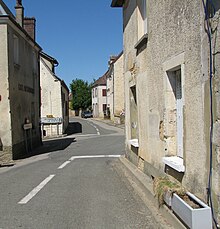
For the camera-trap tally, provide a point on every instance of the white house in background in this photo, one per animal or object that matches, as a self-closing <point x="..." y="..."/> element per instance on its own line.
<point x="115" y="89"/>
<point x="99" y="105"/>
<point x="54" y="98"/>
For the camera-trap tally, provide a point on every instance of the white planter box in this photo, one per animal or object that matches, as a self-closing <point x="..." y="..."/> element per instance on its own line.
<point x="168" y="199"/>
<point x="200" y="218"/>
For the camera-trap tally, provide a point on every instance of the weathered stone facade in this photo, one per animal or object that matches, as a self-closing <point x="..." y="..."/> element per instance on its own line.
<point x="167" y="96"/>
<point x="20" y="89"/>
<point x="115" y="88"/>
<point x="119" y="99"/>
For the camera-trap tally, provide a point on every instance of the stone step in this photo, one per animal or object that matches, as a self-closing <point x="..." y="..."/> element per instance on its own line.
<point x="5" y="162"/>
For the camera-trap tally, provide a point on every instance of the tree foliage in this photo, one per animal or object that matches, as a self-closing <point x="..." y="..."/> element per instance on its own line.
<point x="81" y="94"/>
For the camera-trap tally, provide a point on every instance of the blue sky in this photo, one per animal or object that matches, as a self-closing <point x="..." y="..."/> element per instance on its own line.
<point x="81" y="35"/>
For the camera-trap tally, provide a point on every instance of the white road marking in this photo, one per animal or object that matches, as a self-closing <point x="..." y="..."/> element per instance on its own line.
<point x="35" y="190"/>
<point x="94" y="156"/>
<point x="97" y="130"/>
<point x="64" y="164"/>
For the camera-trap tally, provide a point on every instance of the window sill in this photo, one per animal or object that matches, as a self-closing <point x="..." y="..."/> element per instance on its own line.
<point x="134" y="142"/>
<point x="175" y="163"/>
<point x="142" y="42"/>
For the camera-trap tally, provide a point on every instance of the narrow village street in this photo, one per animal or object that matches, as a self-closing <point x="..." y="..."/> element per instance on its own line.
<point x="73" y="182"/>
<point x="110" y="114"/>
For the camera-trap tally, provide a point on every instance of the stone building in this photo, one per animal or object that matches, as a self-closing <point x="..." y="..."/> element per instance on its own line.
<point x="99" y="104"/>
<point x="172" y="84"/>
<point x="54" y="98"/>
<point x="19" y="87"/>
<point x="115" y="88"/>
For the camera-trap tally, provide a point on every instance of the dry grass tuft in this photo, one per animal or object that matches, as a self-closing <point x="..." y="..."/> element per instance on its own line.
<point x="165" y="184"/>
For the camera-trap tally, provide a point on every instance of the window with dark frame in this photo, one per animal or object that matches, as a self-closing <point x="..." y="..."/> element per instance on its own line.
<point x="104" y="92"/>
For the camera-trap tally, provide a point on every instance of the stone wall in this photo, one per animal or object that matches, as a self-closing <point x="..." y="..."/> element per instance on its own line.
<point x="215" y="25"/>
<point x="119" y="102"/>
<point x="5" y="124"/>
<point x="176" y="41"/>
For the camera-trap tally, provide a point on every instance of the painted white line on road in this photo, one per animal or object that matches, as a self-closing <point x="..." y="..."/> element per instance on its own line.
<point x="35" y="190"/>
<point x="94" y="156"/>
<point x="97" y="130"/>
<point x="86" y="157"/>
<point x="64" y="164"/>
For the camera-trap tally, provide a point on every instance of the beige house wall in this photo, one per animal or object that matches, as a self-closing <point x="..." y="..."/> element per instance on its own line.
<point x="5" y="124"/>
<point x="20" y="91"/>
<point x="52" y="103"/>
<point x="110" y="94"/>
<point x="176" y="40"/>
<point x="97" y="101"/>
<point x="119" y="102"/>
<point x="115" y="88"/>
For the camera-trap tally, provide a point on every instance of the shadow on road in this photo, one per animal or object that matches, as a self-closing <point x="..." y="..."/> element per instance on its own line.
<point x="54" y="144"/>
<point x="74" y="128"/>
<point x="50" y="146"/>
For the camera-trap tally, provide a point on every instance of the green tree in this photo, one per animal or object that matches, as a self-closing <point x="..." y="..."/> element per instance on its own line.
<point x="81" y="94"/>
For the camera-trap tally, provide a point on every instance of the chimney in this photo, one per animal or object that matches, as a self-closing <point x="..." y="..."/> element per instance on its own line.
<point x="19" y="12"/>
<point x="29" y="26"/>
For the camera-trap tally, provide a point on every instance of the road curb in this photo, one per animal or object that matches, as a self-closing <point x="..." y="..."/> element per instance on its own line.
<point x="147" y="185"/>
<point x="110" y="123"/>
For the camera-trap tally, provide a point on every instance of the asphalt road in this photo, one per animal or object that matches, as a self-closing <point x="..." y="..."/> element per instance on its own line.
<point x="73" y="182"/>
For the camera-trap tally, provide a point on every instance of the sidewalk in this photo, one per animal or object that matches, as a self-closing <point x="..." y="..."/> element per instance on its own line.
<point x="163" y="214"/>
<point x="110" y="122"/>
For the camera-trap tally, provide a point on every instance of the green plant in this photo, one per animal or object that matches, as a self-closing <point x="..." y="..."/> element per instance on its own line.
<point x="163" y="185"/>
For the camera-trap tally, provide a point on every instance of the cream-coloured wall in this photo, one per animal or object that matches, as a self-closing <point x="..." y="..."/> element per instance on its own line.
<point x="119" y="102"/>
<point x="175" y="35"/>
<point x="50" y="93"/>
<point x="102" y="100"/>
<point x="5" y="124"/>
<point x="216" y="127"/>
<point x="21" y="86"/>
<point x="98" y="101"/>
<point x="110" y="95"/>
<point x="51" y="99"/>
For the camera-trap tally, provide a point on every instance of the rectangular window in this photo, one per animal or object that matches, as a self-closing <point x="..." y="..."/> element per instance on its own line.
<point x="103" y="92"/>
<point x="96" y="92"/>
<point x="104" y="107"/>
<point x="16" y="49"/>
<point x="142" y="18"/>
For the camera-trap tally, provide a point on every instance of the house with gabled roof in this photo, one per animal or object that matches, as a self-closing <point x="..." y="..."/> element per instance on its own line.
<point x="115" y="89"/>
<point x="20" y="85"/>
<point x="99" y="105"/>
<point x="54" y="98"/>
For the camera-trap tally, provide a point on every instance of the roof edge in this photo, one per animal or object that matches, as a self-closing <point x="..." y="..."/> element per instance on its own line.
<point x="50" y="58"/>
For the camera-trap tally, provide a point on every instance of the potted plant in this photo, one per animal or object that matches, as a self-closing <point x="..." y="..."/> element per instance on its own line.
<point x="192" y="211"/>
